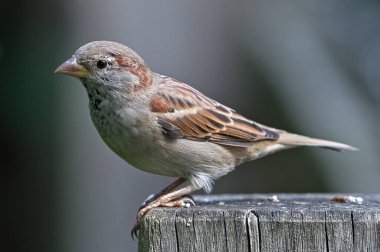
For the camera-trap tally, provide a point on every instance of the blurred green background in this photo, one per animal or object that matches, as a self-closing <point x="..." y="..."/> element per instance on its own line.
<point x="311" y="67"/>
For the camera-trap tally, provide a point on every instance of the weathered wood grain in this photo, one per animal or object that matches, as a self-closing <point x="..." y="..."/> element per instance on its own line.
<point x="299" y="222"/>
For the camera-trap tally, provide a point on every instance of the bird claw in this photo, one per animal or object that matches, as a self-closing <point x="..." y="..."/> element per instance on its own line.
<point x="148" y="200"/>
<point x="135" y="229"/>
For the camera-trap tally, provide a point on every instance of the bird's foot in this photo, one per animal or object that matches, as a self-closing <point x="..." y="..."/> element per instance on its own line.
<point x="149" y="200"/>
<point x="153" y="197"/>
<point x="184" y="201"/>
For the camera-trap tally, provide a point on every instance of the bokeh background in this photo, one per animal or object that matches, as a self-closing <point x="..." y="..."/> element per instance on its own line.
<point x="311" y="67"/>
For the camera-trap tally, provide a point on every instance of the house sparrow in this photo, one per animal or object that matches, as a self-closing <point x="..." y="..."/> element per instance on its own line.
<point x="163" y="126"/>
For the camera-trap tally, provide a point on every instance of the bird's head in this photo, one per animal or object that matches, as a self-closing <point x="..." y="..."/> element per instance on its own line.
<point x="108" y="65"/>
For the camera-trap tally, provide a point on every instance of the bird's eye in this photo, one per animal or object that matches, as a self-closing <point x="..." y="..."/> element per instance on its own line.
<point x="101" y="64"/>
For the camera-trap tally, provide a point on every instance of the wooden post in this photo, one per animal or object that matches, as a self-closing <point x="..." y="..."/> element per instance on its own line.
<point x="256" y="222"/>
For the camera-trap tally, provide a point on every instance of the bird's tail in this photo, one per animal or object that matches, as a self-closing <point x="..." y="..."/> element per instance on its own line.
<point x="293" y="140"/>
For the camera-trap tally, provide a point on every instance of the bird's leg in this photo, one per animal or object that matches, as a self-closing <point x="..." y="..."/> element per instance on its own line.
<point x="166" y="190"/>
<point x="171" y="199"/>
<point x="163" y="199"/>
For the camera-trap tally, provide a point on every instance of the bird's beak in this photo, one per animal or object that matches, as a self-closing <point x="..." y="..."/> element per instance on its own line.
<point x="72" y="68"/>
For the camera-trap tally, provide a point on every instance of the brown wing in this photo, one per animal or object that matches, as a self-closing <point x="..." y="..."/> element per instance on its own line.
<point x="184" y="112"/>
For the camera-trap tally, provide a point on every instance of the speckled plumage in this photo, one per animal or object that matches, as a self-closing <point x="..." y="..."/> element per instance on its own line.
<point x="163" y="126"/>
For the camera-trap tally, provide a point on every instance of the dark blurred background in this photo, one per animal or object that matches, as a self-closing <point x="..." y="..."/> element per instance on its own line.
<point x="311" y="67"/>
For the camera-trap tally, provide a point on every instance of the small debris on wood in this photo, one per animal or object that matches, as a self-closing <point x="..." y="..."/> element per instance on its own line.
<point x="186" y="205"/>
<point x="347" y="199"/>
<point x="274" y="199"/>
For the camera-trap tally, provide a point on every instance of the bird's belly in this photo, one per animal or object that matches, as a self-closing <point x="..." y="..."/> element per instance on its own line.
<point x="137" y="139"/>
<point x="134" y="143"/>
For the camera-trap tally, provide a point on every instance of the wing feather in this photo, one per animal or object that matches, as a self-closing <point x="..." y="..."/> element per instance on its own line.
<point x="194" y="116"/>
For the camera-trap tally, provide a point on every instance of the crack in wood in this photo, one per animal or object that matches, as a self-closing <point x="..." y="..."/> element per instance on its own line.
<point x="326" y="233"/>
<point x="176" y="232"/>
<point x="353" y="229"/>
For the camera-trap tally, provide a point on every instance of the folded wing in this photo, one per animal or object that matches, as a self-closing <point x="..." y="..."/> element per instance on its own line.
<point x="184" y="112"/>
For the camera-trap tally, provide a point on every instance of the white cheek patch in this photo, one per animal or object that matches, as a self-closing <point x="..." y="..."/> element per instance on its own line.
<point x="133" y="78"/>
<point x="121" y="80"/>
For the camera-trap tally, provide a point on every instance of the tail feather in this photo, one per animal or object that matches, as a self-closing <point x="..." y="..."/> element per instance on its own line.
<point x="290" y="139"/>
